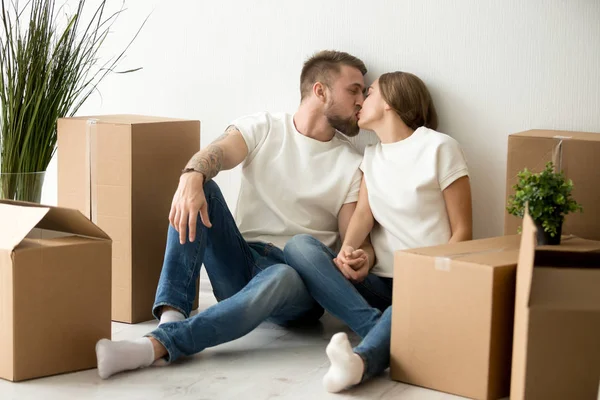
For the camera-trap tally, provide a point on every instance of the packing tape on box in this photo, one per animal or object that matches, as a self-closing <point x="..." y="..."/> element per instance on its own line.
<point x="443" y="263"/>
<point x="557" y="153"/>
<point x="91" y="139"/>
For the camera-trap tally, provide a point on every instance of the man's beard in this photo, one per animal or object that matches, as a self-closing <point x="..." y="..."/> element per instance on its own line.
<point x="348" y="126"/>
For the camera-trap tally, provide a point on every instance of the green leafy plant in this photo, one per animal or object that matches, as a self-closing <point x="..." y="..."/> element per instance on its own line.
<point x="47" y="73"/>
<point x="547" y="195"/>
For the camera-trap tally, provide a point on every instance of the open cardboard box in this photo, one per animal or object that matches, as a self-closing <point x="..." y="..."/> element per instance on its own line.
<point x="556" y="353"/>
<point x="55" y="285"/>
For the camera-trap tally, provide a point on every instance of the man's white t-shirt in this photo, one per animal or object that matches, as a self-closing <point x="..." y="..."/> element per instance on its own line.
<point x="405" y="181"/>
<point x="292" y="184"/>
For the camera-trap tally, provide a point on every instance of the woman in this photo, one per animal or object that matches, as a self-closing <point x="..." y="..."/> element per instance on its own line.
<point x="415" y="193"/>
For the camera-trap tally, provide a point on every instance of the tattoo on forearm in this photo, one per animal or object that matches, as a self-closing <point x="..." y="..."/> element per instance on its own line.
<point x="209" y="161"/>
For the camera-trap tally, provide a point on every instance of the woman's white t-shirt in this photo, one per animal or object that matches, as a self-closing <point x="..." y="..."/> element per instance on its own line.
<point x="405" y="181"/>
<point x="293" y="184"/>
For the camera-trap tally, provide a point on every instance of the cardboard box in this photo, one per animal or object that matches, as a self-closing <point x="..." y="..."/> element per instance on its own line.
<point x="574" y="152"/>
<point x="452" y="317"/>
<point x="55" y="285"/>
<point x="453" y="313"/>
<point x="122" y="172"/>
<point x="556" y="353"/>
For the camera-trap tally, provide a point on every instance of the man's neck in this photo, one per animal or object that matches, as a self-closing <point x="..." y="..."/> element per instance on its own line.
<point x="311" y="123"/>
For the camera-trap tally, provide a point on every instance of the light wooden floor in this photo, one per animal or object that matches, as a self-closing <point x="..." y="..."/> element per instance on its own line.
<point x="269" y="363"/>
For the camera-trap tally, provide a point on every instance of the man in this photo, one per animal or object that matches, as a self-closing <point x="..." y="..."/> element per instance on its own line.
<point x="299" y="176"/>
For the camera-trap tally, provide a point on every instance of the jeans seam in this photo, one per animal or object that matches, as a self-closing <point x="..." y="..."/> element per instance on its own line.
<point x="366" y="364"/>
<point x="241" y="241"/>
<point x="191" y="270"/>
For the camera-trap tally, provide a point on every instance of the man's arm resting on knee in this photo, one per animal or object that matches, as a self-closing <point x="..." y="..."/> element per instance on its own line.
<point x="226" y="152"/>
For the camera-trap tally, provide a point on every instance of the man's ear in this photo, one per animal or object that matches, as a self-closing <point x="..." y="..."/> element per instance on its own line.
<point x="320" y="91"/>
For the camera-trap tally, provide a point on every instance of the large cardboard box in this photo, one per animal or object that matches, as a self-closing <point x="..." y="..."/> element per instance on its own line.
<point x="453" y="308"/>
<point x="453" y="312"/>
<point x="54" y="290"/>
<point x="122" y="171"/>
<point x="556" y="353"/>
<point x="574" y="152"/>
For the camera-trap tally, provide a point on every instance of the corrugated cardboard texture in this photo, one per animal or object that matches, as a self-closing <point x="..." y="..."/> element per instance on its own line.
<point x="577" y="154"/>
<point x="122" y="171"/>
<point x="556" y="353"/>
<point x="452" y="317"/>
<point x="54" y="293"/>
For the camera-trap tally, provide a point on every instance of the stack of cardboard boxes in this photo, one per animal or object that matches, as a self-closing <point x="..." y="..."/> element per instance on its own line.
<point x="62" y="278"/>
<point x="488" y="318"/>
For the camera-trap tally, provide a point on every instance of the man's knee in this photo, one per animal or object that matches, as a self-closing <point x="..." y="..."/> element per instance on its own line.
<point x="286" y="290"/>
<point x="283" y="276"/>
<point x="301" y="244"/>
<point x="283" y="282"/>
<point x="211" y="188"/>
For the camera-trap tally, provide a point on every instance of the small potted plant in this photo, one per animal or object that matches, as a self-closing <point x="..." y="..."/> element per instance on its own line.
<point x="548" y="198"/>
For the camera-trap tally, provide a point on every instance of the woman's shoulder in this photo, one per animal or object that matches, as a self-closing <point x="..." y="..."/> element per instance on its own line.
<point x="440" y="139"/>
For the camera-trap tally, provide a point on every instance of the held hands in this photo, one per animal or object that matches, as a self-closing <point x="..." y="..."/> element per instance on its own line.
<point x="188" y="202"/>
<point x="353" y="264"/>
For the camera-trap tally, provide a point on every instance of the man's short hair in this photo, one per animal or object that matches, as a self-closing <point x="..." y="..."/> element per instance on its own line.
<point x="324" y="66"/>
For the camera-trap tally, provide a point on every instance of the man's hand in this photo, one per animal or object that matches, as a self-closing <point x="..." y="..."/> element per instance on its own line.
<point x="188" y="202"/>
<point x="353" y="264"/>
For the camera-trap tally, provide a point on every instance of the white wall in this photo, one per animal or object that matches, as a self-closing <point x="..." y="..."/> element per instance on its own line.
<point x="493" y="67"/>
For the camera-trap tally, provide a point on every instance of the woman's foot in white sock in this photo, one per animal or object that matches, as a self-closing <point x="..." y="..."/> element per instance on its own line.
<point x="170" y="316"/>
<point x="347" y="368"/>
<point x="115" y="357"/>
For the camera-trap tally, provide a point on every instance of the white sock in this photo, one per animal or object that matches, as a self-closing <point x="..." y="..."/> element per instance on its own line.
<point x="346" y="368"/>
<point x="115" y="357"/>
<point x="170" y="316"/>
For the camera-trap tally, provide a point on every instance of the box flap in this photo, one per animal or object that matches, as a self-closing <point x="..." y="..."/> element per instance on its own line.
<point x="46" y="217"/>
<point x="526" y="261"/>
<point x="551" y="134"/>
<point x="17" y="222"/>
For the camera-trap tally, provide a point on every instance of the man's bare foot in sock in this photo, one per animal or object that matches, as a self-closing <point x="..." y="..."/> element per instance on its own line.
<point x="347" y="368"/>
<point x="115" y="357"/>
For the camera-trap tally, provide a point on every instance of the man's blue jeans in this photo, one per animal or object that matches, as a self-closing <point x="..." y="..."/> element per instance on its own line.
<point x="251" y="281"/>
<point x="358" y="305"/>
